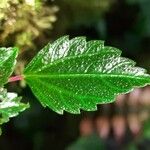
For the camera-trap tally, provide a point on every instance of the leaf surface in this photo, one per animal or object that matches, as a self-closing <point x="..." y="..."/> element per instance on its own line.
<point x="10" y="105"/>
<point x="7" y="63"/>
<point x="75" y="74"/>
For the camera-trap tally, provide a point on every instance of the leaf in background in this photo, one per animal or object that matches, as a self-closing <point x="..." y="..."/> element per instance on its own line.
<point x="146" y="129"/>
<point x="88" y="143"/>
<point x="74" y="74"/>
<point x="10" y="105"/>
<point x="7" y="63"/>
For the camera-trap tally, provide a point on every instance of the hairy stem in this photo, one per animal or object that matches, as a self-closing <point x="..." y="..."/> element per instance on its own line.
<point x="15" y="78"/>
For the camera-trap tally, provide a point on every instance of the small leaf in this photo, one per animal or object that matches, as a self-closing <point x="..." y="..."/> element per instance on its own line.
<point x="7" y="63"/>
<point x="10" y="105"/>
<point x="74" y="74"/>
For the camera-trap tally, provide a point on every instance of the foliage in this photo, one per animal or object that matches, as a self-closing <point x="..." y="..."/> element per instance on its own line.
<point x="71" y="75"/>
<point x="7" y="63"/>
<point x="74" y="74"/>
<point x="10" y="105"/>
<point x="24" y="21"/>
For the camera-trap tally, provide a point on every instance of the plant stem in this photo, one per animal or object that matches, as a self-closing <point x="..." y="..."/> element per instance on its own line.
<point x="15" y="78"/>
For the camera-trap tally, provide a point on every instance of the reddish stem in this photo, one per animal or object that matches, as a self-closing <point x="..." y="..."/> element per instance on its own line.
<point x="15" y="78"/>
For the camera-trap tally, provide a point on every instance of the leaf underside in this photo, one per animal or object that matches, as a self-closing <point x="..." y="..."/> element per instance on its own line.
<point x="7" y="63"/>
<point x="75" y="74"/>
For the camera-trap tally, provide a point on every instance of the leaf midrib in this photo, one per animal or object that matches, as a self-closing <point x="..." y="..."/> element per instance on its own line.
<point x="85" y="75"/>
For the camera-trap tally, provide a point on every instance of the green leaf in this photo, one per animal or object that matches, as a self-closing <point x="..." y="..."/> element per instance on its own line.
<point x="10" y="105"/>
<point x="74" y="74"/>
<point x="146" y="129"/>
<point x="7" y="63"/>
<point x="89" y="142"/>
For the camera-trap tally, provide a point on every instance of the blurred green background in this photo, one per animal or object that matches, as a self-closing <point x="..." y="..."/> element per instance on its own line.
<point x="125" y="24"/>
